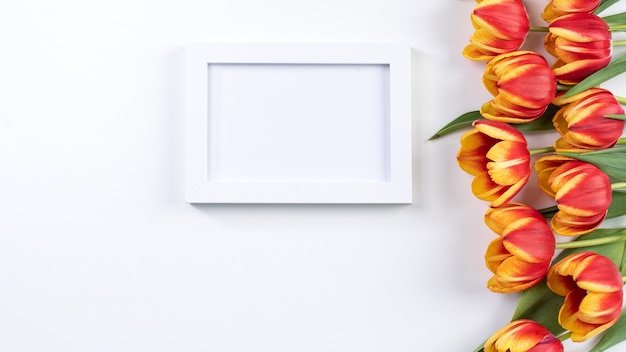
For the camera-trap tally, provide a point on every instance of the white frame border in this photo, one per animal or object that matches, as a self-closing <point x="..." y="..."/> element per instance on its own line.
<point x="198" y="187"/>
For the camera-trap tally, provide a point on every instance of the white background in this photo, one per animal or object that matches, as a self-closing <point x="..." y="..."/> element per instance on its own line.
<point x="99" y="252"/>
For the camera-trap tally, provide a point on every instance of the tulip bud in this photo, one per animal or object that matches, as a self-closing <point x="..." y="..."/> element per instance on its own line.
<point x="497" y="155"/>
<point x="500" y="27"/>
<point x="582" y="192"/>
<point x="523" y="335"/>
<point x="523" y="85"/>
<point x="520" y="257"/>
<point x="558" y="8"/>
<point x="582" y="123"/>
<point x="581" y="43"/>
<point x="593" y="289"/>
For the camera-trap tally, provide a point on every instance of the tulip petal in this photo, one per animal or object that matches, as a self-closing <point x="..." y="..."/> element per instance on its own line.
<point x="600" y="308"/>
<point x="505" y="19"/>
<point x="598" y="274"/>
<point x="529" y="239"/>
<point x="500" y="218"/>
<point x="496" y="254"/>
<point x="558" y="8"/>
<point x="510" y="162"/>
<point x="523" y="335"/>
<point x="472" y="155"/>
<point x="593" y="290"/>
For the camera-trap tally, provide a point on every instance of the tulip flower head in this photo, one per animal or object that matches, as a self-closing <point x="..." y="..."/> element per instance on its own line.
<point x="558" y="8"/>
<point x="523" y="335"/>
<point x="520" y="257"/>
<point x="523" y="85"/>
<point x="500" y="27"/>
<point x="497" y="155"/>
<point x="582" y="192"/>
<point x="582" y="123"/>
<point x="593" y="289"/>
<point x="581" y="43"/>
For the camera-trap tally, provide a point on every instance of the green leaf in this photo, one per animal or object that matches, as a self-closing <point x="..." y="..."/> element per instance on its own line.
<point x="618" y="205"/>
<point x="611" y="161"/>
<point x="614" y="68"/>
<point x="461" y="122"/>
<point x="549" y="212"/>
<point x="604" y="4"/>
<point x="612" y="336"/>
<point x="615" y="19"/>
<point x="543" y="123"/>
<point x="541" y="305"/>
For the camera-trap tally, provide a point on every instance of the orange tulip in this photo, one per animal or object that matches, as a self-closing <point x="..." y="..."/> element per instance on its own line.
<point x="500" y="27"/>
<point x="581" y="43"/>
<point x="557" y="8"/>
<point x="582" y="123"/>
<point x="523" y="335"/>
<point x="497" y="155"/>
<point x="520" y="257"/>
<point x="581" y="190"/>
<point x="523" y="85"/>
<point x="593" y="290"/>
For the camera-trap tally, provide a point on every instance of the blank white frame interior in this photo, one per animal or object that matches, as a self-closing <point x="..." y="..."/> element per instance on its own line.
<point x="298" y="123"/>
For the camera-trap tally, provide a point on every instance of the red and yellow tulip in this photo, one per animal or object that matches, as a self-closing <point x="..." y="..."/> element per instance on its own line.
<point x="558" y="8"/>
<point x="523" y="85"/>
<point x="523" y="335"/>
<point x="581" y="43"/>
<point x="500" y="27"/>
<point x="520" y="257"/>
<point x="582" y="192"/>
<point x="497" y="155"/>
<point x="593" y="289"/>
<point x="582" y="123"/>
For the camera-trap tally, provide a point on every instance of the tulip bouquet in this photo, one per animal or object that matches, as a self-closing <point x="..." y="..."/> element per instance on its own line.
<point x="570" y="289"/>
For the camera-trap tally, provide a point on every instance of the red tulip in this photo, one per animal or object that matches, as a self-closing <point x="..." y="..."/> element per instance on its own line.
<point x="593" y="290"/>
<point x="582" y="192"/>
<point x="581" y="42"/>
<point x="520" y="257"/>
<point x="523" y="335"/>
<point x="500" y="27"/>
<point x="557" y="8"/>
<point x="497" y="155"/>
<point x="523" y="85"/>
<point x="582" y="123"/>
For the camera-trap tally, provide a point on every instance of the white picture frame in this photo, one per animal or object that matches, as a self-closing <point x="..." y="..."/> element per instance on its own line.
<point x="298" y="123"/>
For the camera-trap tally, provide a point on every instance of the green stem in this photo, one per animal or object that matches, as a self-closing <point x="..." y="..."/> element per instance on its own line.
<point x="618" y="185"/>
<point x="618" y="42"/>
<point x="621" y="141"/>
<point x="621" y="100"/>
<point x="562" y="87"/>
<point x="613" y="28"/>
<point x="565" y="336"/>
<point x="617" y="27"/>
<point x="593" y="242"/>
<point x="541" y="150"/>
